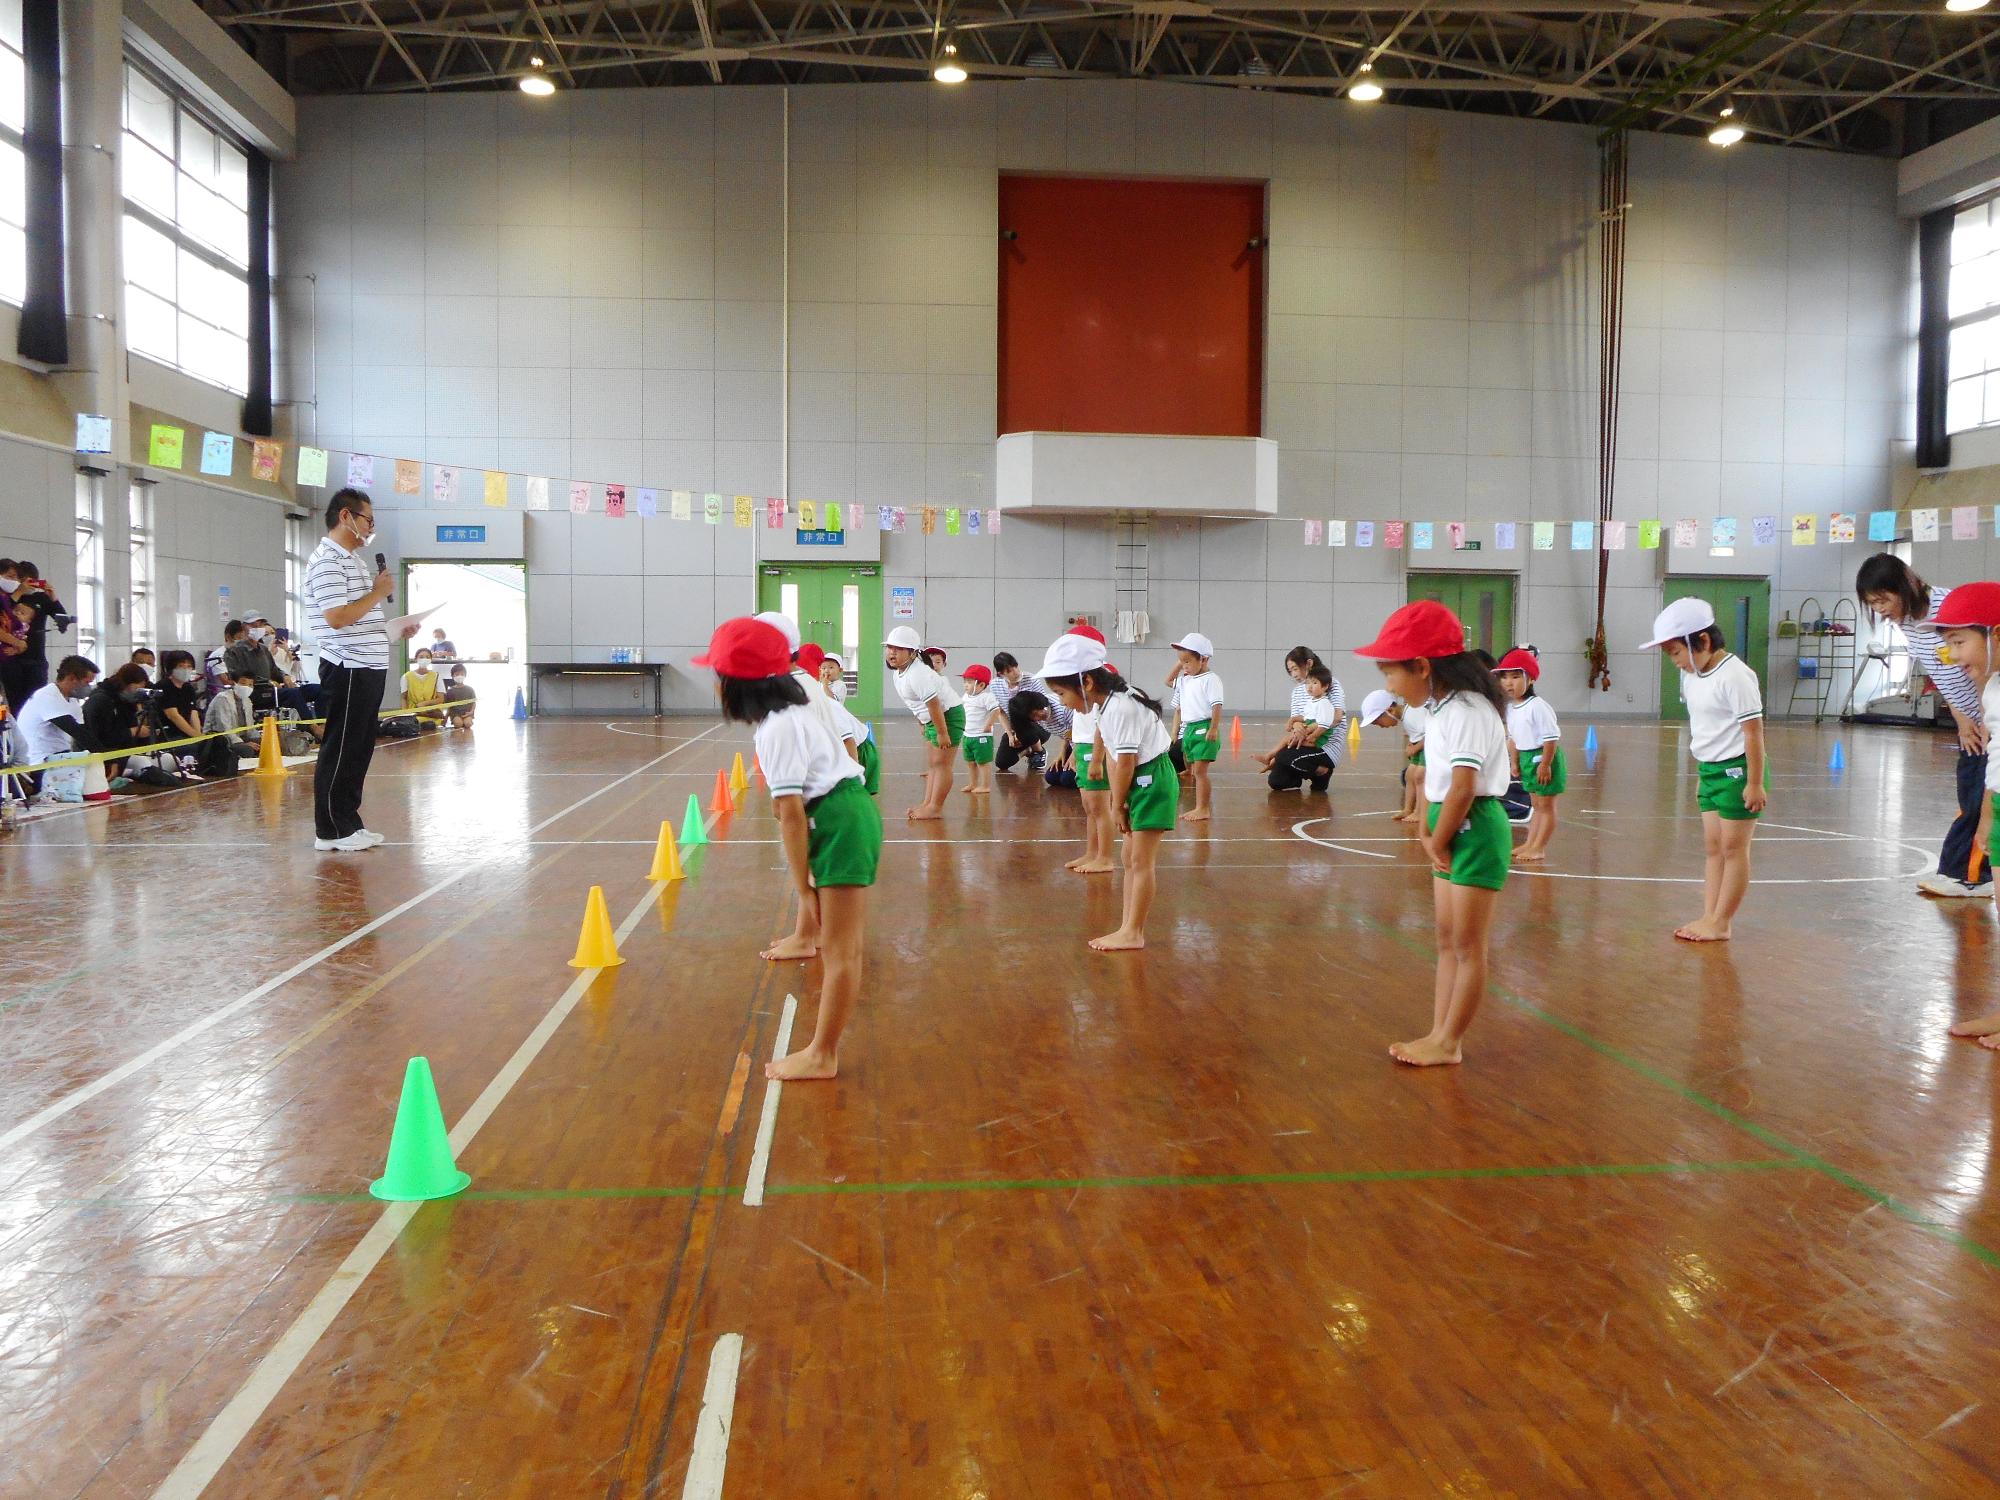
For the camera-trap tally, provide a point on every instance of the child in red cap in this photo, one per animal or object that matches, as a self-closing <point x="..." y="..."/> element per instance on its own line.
<point x="982" y="713"/>
<point x="1421" y="652"/>
<point x="1537" y="740"/>
<point x="831" y="832"/>
<point x="1965" y="624"/>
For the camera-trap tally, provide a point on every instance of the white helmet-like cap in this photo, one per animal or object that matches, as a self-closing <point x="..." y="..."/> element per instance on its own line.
<point x="905" y="638"/>
<point x="1196" y="642"/>
<point x="1375" y="705"/>
<point x="1680" y="620"/>
<point x="1071" y="656"/>
<point x="784" y="624"/>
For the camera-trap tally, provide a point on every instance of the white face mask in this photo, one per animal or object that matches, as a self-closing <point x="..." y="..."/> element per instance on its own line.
<point x="259" y="633"/>
<point x="424" y="667"/>
<point x="242" y="692"/>
<point x="361" y="538"/>
<point x="8" y="585"/>
<point x="183" y="675"/>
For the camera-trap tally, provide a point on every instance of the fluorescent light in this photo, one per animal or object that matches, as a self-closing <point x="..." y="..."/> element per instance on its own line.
<point x="948" y="69"/>
<point x="1961" y="6"/>
<point x="1365" y="92"/>
<point x="535" y="81"/>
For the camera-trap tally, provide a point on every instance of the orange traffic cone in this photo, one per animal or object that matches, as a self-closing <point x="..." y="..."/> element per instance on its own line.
<point x="757" y="767"/>
<point x="1235" y="729"/>
<point x="270" y="760"/>
<point x="719" y="802"/>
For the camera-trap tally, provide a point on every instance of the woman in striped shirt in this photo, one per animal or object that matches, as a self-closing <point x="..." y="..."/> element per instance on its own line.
<point x="1891" y="588"/>
<point x="1299" y="662"/>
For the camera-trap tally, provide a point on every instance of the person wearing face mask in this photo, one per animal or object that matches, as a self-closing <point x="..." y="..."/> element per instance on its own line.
<point x="420" y="688"/>
<point x="13" y="637"/>
<point x="51" y="722"/>
<point x="252" y="653"/>
<point x="343" y="610"/>
<point x="111" y="717"/>
<point x="230" y="713"/>
<point x="35" y="603"/>
<point x="180" y="695"/>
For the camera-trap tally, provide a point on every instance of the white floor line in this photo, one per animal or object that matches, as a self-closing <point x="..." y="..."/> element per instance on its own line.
<point x="1299" y="831"/>
<point x="711" y="1428"/>
<point x="198" y="1468"/>
<point x="78" y="1097"/>
<point x="767" y="1123"/>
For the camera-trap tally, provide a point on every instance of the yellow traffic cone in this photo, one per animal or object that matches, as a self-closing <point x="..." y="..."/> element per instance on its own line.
<point x="596" y="944"/>
<point x="666" y="857"/>
<point x="1354" y="735"/>
<point x="738" y="782"/>
<point x="270" y="760"/>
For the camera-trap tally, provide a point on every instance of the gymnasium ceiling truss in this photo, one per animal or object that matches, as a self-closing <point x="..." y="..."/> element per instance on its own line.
<point x="1874" y="76"/>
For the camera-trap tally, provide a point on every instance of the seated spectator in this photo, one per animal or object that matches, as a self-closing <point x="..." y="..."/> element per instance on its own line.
<point x="420" y="685"/>
<point x="253" y="651"/>
<point x="459" y="691"/>
<point x="142" y="658"/>
<point x="441" y="647"/>
<point x="50" y="723"/>
<point x="111" y="717"/>
<point x="230" y="713"/>
<point x="233" y="634"/>
<point x="180" y="695"/>
<point x="300" y="696"/>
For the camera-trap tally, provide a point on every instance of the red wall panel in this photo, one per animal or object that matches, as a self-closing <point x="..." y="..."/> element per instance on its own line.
<point x="1130" y="306"/>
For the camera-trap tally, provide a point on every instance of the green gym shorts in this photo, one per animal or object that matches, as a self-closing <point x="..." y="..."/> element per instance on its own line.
<point x="1080" y="754"/>
<point x="978" y="749"/>
<point x="1482" y="851"/>
<point x="954" y="723"/>
<point x="871" y="766"/>
<point x="1197" y="743"/>
<point x="1558" y="781"/>
<point x="1417" y="760"/>
<point x="843" y="836"/>
<point x="1722" y="788"/>
<point x="1155" y="797"/>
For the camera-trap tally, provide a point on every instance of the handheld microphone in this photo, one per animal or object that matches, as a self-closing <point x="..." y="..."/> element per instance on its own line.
<point x="382" y="566"/>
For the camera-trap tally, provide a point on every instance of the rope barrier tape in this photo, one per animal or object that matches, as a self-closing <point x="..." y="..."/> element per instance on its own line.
<point x="153" y="747"/>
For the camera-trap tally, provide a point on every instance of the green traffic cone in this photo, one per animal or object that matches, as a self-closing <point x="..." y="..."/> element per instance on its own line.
<point x="420" y="1165"/>
<point x="694" y="831"/>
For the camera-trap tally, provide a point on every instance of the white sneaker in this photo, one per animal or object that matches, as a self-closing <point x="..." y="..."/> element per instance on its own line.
<point x="373" y="838"/>
<point x="354" y="843"/>
<point x="1940" y="884"/>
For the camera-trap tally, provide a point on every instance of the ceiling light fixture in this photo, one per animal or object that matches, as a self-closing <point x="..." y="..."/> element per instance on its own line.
<point x="948" y="69"/>
<point x="1366" y="90"/>
<point x="537" y="82"/>
<point x="1726" y="132"/>
<point x="1959" y="7"/>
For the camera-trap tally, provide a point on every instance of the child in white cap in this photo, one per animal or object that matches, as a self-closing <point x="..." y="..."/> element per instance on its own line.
<point x="1143" y="787"/>
<point x="1384" y="710"/>
<point x="1197" y="715"/>
<point x="938" y="707"/>
<point x="1725" y="708"/>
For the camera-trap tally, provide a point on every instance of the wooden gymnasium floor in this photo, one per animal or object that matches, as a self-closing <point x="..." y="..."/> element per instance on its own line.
<point x="1691" y="1222"/>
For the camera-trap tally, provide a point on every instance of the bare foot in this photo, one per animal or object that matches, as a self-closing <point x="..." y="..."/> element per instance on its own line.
<point x="1703" y="931"/>
<point x="1978" y="1026"/>
<point x="1094" y="867"/>
<point x="1194" y="817"/>
<point x="804" y="1064"/>
<point x="1426" y="1052"/>
<point x="925" y="815"/>
<point x="1529" y="857"/>
<point x="1402" y="817"/>
<point x="1071" y="864"/>
<point x="1119" y="941"/>
<point x="977" y="791"/>
<point x="790" y="948"/>
<point x="1990" y="1043"/>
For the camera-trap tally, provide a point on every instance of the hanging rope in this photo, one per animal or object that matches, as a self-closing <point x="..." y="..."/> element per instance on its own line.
<point x="1611" y="210"/>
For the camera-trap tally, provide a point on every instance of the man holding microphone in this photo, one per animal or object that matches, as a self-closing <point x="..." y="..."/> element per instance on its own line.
<point x="343" y="608"/>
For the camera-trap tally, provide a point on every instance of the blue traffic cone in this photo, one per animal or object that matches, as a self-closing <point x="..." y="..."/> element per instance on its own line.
<point x="1590" y="740"/>
<point x="520" y="704"/>
<point x="1837" y="762"/>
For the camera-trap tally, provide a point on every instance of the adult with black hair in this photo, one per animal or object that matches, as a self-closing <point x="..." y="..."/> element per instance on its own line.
<point x="34" y="604"/>
<point x="343" y="607"/>
<point x="111" y="716"/>
<point x="1890" y="588"/>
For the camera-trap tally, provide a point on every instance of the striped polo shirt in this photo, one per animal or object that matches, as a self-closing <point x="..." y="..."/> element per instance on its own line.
<point x="1336" y="743"/>
<point x="1951" y="682"/>
<point x="335" y="576"/>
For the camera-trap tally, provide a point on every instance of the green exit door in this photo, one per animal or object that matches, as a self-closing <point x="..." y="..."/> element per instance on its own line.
<point x="1483" y="602"/>
<point x="837" y="606"/>
<point x="1743" y="612"/>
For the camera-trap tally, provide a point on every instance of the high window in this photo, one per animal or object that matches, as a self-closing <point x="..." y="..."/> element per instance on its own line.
<point x="1972" y="399"/>
<point x="187" y="236"/>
